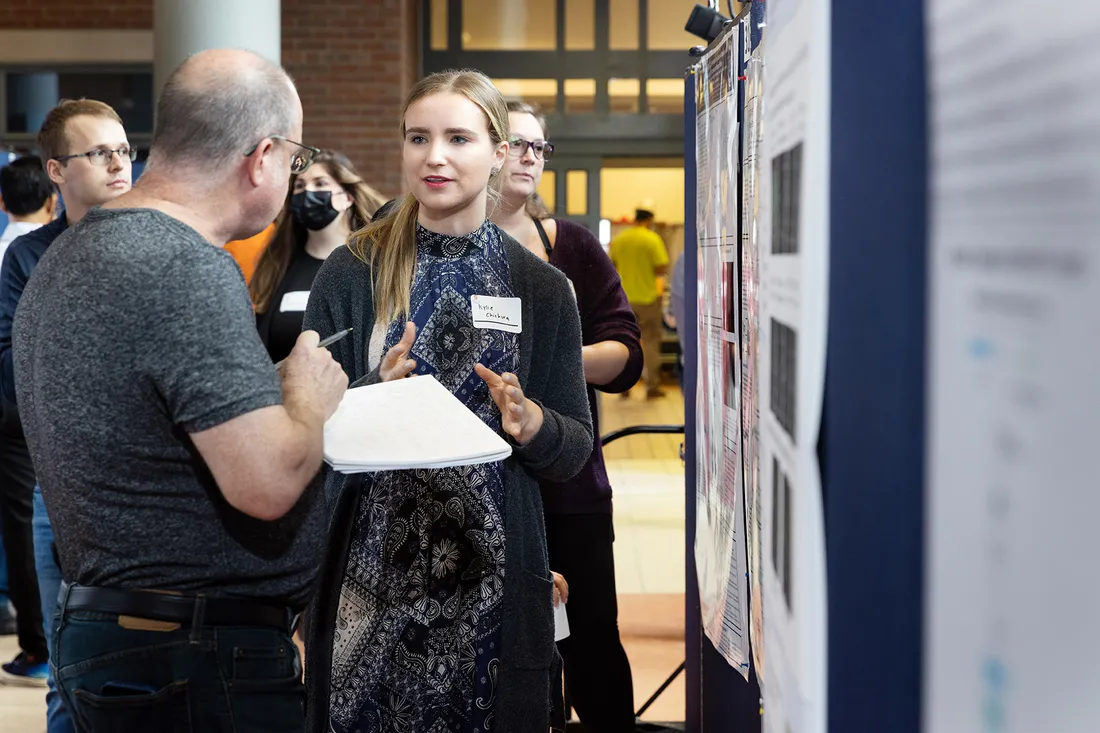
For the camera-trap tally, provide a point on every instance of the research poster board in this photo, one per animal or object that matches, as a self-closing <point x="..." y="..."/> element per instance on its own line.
<point x="720" y="553"/>
<point x="750" y="328"/>
<point x="1014" y="397"/>
<point x="793" y="242"/>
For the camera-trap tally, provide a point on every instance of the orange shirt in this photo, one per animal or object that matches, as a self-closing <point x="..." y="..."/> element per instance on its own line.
<point x="247" y="251"/>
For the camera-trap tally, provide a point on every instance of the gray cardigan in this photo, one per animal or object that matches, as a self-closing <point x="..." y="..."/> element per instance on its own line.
<point x="552" y="374"/>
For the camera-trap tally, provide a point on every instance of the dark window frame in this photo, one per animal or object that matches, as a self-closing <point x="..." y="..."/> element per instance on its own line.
<point x="600" y="132"/>
<point x="26" y="140"/>
<point x="583" y="139"/>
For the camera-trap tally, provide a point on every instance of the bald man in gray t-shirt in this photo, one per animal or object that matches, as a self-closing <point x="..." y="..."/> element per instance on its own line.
<point x="176" y="463"/>
<point x="141" y="333"/>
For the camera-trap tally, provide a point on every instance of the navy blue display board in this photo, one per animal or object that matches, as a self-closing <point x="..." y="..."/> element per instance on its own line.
<point x="693" y="625"/>
<point x="872" y="447"/>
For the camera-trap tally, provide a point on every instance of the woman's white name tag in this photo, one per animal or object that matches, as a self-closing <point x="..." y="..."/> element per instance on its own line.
<point x="294" y="301"/>
<point x="500" y="314"/>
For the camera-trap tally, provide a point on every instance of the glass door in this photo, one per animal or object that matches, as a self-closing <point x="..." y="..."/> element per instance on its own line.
<point x="577" y="189"/>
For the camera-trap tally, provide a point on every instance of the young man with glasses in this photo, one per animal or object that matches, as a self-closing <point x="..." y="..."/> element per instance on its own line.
<point x="176" y="461"/>
<point x="87" y="156"/>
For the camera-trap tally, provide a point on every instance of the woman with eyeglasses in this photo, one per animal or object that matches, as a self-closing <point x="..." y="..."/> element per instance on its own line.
<point x="325" y="203"/>
<point x="579" y="530"/>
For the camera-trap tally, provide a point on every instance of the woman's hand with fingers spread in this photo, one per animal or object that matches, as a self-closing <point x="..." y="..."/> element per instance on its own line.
<point x="396" y="364"/>
<point x="520" y="417"/>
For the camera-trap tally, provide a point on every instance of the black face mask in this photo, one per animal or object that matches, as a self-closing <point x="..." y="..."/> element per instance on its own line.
<point x="313" y="209"/>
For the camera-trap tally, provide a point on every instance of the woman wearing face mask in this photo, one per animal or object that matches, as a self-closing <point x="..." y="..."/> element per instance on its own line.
<point x="435" y="609"/>
<point x="325" y="204"/>
<point x="579" y="531"/>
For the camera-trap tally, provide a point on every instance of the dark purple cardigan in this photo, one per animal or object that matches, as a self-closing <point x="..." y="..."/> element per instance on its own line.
<point x="605" y="316"/>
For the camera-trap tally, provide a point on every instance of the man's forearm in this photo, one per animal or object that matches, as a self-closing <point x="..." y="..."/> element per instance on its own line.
<point x="306" y="441"/>
<point x="264" y="460"/>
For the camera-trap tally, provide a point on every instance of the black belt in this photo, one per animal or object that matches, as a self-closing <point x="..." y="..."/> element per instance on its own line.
<point x="186" y="610"/>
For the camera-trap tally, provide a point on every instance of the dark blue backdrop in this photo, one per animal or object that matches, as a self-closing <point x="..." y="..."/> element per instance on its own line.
<point x="873" y="437"/>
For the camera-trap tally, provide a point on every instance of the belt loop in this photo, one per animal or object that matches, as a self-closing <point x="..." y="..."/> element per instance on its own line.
<point x="197" y="619"/>
<point x="293" y="619"/>
<point x="62" y="603"/>
<point x="63" y="597"/>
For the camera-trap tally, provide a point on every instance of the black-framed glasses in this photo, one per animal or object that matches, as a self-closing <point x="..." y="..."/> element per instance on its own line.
<point x="518" y="148"/>
<point x="300" y="159"/>
<point x="101" y="156"/>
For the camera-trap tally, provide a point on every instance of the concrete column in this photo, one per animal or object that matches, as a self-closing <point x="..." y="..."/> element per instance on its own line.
<point x="184" y="27"/>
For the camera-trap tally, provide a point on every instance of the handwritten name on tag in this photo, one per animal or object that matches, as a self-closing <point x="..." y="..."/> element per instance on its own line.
<point x="501" y="314"/>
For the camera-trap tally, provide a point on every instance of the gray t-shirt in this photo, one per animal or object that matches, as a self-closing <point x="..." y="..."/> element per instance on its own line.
<point x="133" y="333"/>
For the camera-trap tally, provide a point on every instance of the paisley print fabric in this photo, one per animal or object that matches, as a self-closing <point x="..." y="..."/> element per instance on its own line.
<point x="417" y="642"/>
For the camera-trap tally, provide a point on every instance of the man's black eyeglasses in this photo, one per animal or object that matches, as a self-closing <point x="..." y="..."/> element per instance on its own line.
<point x="300" y="159"/>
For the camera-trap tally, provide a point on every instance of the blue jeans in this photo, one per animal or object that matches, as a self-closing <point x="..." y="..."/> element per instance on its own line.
<point x="58" y="719"/>
<point x="216" y="679"/>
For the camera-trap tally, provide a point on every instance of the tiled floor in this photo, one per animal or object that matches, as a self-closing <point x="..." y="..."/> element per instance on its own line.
<point x="647" y="476"/>
<point x="22" y="709"/>
<point x="648" y="480"/>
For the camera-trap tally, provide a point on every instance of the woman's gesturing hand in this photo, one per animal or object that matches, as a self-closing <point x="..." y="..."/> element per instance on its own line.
<point x="561" y="589"/>
<point x="520" y="417"/>
<point x="396" y="364"/>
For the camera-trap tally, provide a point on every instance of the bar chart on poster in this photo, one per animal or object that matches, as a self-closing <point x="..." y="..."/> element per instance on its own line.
<point x="793" y="306"/>
<point x="1014" y="402"/>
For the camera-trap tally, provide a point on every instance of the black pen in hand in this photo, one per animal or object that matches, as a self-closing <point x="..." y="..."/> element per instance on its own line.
<point x="326" y="342"/>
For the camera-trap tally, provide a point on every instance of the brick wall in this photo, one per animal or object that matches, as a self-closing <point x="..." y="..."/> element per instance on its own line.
<point x="76" y="14"/>
<point x="353" y="61"/>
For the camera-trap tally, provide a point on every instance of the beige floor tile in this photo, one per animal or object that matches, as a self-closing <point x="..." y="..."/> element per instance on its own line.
<point x="22" y="709"/>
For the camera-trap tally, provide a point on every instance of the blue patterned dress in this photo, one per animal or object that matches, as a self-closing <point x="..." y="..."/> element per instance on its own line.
<point x="417" y="641"/>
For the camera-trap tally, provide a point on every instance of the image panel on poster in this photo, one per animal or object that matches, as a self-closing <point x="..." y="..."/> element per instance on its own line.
<point x="791" y="226"/>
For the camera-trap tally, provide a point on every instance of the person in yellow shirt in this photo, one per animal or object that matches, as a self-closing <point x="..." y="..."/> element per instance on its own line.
<point x="640" y="257"/>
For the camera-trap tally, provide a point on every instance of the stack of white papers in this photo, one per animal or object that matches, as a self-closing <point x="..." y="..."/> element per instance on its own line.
<point x="561" y="623"/>
<point x="407" y="423"/>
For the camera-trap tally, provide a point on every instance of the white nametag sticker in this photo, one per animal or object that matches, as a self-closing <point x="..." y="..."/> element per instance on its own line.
<point x="295" y="301"/>
<point x="501" y="314"/>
